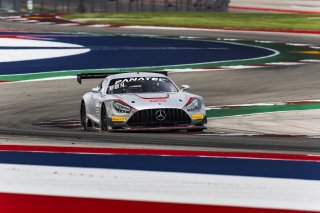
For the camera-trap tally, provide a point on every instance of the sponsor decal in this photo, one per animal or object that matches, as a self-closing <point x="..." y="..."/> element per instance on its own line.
<point x="126" y="80"/>
<point x="121" y="83"/>
<point x="158" y="100"/>
<point x="118" y="119"/>
<point x="197" y="116"/>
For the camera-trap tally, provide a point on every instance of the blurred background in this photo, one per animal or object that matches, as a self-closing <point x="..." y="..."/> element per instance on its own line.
<point x="90" y="6"/>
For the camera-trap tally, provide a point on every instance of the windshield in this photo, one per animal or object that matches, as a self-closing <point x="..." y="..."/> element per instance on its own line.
<point x="141" y="85"/>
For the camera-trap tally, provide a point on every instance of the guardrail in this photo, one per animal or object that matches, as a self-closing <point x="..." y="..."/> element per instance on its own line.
<point x="81" y="6"/>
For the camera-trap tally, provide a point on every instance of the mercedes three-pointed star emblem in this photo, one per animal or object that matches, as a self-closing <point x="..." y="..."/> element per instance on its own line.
<point x="160" y="115"/>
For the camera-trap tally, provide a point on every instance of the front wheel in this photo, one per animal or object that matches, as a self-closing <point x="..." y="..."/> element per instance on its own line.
<point x="83" y="116"/>
<point x="104" y="119"/>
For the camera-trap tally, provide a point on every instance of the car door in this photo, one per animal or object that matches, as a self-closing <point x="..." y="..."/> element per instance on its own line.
<point x="95" y="99"/>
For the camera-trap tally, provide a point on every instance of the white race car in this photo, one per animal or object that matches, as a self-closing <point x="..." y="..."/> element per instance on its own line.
<point x="140" y="101"/>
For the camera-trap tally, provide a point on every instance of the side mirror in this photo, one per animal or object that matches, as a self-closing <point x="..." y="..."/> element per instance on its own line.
<point x="185" y="87"/>
<point x="96" y="90"/>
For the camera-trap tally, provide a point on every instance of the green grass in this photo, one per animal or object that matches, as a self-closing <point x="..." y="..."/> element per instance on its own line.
<point x="211" y="20"/>
<point x="246" y="110"/>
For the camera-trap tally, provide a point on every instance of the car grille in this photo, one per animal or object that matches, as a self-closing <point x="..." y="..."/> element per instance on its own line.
<point x="148" y="118"/>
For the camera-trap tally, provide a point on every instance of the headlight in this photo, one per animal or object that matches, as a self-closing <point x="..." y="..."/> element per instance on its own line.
<point x="194" y="104"/>
<point x="121" y="107"/>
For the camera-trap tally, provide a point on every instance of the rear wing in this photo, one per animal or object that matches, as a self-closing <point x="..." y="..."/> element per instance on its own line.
<point x="104" y="75"/>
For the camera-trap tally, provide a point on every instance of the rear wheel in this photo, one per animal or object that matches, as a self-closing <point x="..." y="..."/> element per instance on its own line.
<point x="104" y="119"/>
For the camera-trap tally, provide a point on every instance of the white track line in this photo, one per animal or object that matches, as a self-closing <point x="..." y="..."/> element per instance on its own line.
<point x="285" y="63"/>
<point x="68" y="24"/>
<point x="98" y="25"/>
<point x="173" y="187"/>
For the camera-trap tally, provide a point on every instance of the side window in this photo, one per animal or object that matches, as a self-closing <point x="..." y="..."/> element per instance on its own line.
<point x="108" y="91"/>
<point x="106" y="83"/>
<point x="100" y="85"/>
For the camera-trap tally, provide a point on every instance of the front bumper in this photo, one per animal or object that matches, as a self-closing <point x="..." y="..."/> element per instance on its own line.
<point x="157" y="129"/>
<point x="146" y="119"/>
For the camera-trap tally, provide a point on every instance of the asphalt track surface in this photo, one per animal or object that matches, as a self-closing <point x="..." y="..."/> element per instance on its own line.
<point x="24" y="104"/>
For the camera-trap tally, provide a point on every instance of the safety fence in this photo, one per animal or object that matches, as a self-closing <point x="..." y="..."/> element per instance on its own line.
<point x="81" y="6"/>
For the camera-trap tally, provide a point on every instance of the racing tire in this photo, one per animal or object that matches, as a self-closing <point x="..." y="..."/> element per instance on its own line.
<point x="199" y="130"/>
<point x="83" y="117"/>
<point x="104" y="119"/>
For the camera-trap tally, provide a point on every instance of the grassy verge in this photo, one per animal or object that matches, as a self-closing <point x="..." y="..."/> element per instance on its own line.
<point x="210" y="20"/>
<point x="246" y="110"/>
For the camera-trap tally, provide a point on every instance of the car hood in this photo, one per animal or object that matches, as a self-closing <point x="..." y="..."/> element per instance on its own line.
<point x="155" y="100"/>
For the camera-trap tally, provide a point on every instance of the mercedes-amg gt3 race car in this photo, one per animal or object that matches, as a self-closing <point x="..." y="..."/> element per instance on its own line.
<point x="141" y="101"/>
